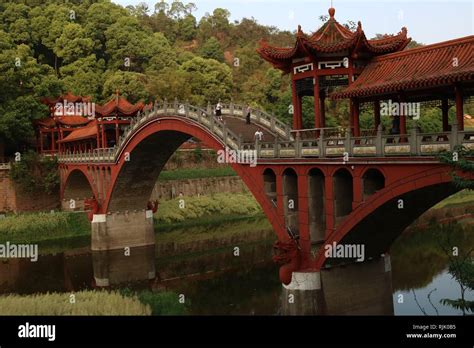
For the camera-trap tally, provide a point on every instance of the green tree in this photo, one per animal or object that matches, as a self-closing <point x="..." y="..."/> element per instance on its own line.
<point x="169" y="84"/>
<point x="212" y="49"/>
<point x="73" y="43"/>
<point x="22" y="82"/>
<point x="209" y="80"/>
<point x="84" y="76"/>
<point x="131" y="85"/>
<point x="187" y="28"/>
<point x="100" y="16"/>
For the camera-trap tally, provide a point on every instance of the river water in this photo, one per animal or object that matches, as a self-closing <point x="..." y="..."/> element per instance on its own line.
<point x="219" y="282"/>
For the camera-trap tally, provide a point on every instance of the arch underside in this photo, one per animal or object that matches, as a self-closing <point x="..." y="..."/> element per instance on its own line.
<point x="77" y="186"/>
<point x="377" y="231"/>
<point x="138" y="176"/>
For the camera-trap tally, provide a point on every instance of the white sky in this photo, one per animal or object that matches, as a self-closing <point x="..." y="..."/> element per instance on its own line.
<point x="428" y="21"/>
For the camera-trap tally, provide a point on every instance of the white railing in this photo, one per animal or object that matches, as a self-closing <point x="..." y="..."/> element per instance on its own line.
<point x="321" y="143"/>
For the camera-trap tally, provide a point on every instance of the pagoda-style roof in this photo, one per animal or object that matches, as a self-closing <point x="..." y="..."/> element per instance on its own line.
<point x="68" y="97"/>
<point x="425" y="67"/>
<point x="86" y="132"/>
<point x="332" y="38"/>
<point x="118" y="105"/>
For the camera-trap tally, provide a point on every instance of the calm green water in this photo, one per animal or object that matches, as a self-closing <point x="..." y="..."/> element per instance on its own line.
<point x="218" y="282"/>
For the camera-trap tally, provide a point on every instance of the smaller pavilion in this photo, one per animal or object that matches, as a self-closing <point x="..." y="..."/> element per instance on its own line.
<point x="97" y="126"/>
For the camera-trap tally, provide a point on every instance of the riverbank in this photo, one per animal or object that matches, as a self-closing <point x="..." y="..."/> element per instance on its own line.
<point x="183" y="220"/>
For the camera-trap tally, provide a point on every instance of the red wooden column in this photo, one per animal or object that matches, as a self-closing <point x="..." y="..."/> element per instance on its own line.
<point x="317" y="105"/>
<point x="445" y="113"/>
<point x="323" y="111"/>
<point x="300" y="111"/>
<point x="403" y="123"/>
<point x="116" y="133"/>
<point x="377" y="113"/>
<point x="53" y="145"/>
<point x="103" y="135"/>
<point x="459" y="108"/>
<point x="98" y="136"/>
<point x="355" y="118"/>
<point x="297" y="117"/>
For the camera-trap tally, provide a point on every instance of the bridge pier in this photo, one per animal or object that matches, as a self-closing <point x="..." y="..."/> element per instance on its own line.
<point x="112" y="267"/>
<point x="362" y="288"/>
<point x="120" y="230"/>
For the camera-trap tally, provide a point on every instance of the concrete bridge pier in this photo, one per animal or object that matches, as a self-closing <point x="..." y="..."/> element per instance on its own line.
<point x="122" y="230"/>
<point x="362" y="288"/>
<point x="112" y="267"/>
<point x="303" y="296"/>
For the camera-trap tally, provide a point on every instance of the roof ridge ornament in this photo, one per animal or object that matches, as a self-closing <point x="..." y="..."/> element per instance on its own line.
<point x="331" y="12"/>
<point x="300" y="31"/>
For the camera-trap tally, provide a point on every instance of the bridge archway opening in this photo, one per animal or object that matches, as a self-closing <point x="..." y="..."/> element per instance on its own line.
<point x="316" y="210"/>
<point x="269" y="185"/>
<point x="395" y="220"/>
<point x="136" y="180"/>
<point x="77" y="188"/>
<point x="343" y="194"/>
<point x="372" y="181"/>
<point x="290" y="199"/>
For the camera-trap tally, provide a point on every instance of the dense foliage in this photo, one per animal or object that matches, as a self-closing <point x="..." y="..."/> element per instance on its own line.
<point x="35" y="173"/>
<point x="95" y="47"/>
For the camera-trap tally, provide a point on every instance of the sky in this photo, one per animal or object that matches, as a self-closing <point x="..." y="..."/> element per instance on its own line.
<point x="427" y="21"/>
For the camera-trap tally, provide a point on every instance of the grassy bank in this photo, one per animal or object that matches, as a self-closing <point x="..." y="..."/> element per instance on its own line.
<point x="196" y="173"/>
<point x="460" y="198"/>
<point x="205" y="212"/>
<point x="189" y="208"/>
<point x="160" y="303"/>
<point x="36" y="227"/>
<point x="86" y="303"/>
<point x="57" y="231"/>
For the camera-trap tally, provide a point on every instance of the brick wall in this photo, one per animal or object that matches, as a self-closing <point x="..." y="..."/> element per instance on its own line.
<point x="12" y="199"/>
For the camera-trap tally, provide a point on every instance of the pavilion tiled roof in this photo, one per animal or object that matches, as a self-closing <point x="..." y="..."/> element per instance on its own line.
<point x="86" y="132"/>
<point x="69" y="97"/>
<point x="429" y="66"/>
<point x="46" y="122"/>
<point x="120" y="106"/>
<point x="332" y="37"/>
<point x="72" y="120"/>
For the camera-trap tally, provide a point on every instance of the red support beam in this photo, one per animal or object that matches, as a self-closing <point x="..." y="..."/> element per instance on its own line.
<point x="403" y="121"/>
<point x="459" y="108"/>
<point x="355" y="117"/>
<point x="296" y="107"/>
<point x="323" y="111"/>
<point x="116" y="134"/>
<point x="377" y="113"/>
<point x="445" y="113"/>
<point x="103" y="136"/>
<point x="317" y="105"/>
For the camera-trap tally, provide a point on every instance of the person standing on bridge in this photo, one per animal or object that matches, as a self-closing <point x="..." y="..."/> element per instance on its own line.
<point x="219" y="111"/>
<point x="259" y="135"/>
<point x="248" y="112"/>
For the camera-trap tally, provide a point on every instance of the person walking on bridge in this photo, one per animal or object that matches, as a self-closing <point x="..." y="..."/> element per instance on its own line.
<point x="248" y="112"/>
<point x="219" y="111"/>
<point x="259" y="135"/>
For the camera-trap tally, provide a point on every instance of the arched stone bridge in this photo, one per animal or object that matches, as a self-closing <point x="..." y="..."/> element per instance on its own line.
<point x="316" y="187"/>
